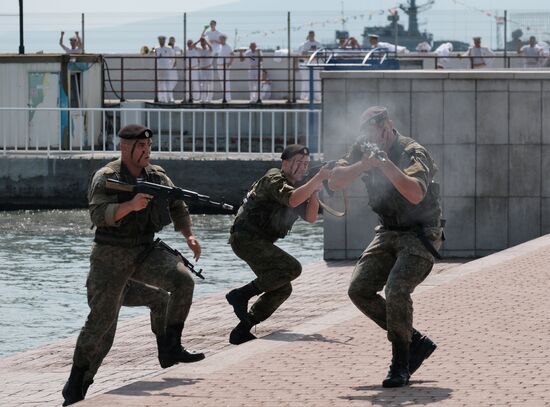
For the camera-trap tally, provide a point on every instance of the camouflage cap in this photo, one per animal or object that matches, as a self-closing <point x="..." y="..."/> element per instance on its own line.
<point x="293" y="149"/>
<point x="374" y="115"/>
<point x="135" y="132"/>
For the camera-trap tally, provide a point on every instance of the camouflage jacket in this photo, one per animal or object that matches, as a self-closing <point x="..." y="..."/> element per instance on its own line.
<point x="393" y="209"/>
<point x="265" y="210"/>
<point x="137" y="227"/>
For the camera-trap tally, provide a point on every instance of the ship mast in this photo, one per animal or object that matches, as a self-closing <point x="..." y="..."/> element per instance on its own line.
<point x="412" y="10"/>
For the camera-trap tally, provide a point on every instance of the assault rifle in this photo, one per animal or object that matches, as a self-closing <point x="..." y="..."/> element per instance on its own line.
<point x="373" y="149"/>
<point x="159" y="244"/>
<point x="164" y="192"/>
<point x="312" y="172"/>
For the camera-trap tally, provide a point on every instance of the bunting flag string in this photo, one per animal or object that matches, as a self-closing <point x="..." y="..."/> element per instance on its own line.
<point x="498" y="19"/>
<point x="321" y="23"/>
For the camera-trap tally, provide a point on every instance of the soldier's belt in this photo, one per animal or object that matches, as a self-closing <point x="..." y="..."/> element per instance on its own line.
<point x="418" y="230"/>
<point x="128" y="242"/>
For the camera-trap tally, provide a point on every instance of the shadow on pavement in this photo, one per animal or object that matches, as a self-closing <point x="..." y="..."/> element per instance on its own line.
<point x="404" y="396"/>
<point x="143" y="388"/>
<point x="287" y="336"/>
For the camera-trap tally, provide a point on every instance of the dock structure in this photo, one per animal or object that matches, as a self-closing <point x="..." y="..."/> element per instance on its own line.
<point x="488" y="317"/>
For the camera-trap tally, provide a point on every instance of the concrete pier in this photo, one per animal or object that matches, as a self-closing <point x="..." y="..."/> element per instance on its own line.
<point x="488" y="317"/>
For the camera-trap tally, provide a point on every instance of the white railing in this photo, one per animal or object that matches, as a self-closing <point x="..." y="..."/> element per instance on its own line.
<point x="185" y="132"/>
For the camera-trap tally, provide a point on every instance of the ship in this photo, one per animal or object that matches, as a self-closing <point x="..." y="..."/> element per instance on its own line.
<point x="396" y="33"/>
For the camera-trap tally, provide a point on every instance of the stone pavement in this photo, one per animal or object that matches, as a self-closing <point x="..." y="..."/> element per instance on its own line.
<point x="488" y="316"/>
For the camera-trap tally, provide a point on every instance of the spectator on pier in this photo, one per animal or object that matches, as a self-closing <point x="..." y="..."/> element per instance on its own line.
<point x="353" y="43"/>
<point x="533" y="53"/>
<point x="265" y="85"/>
<point x="166" y="72"/>
<point x="206" y="64"/>
<point x="253" y="56"/>
<point x="75" y="42"/>
<point x="172" y="44"/>
<point x="144" y="50"/>
<point x="193" y="54"/>
<point x="225" y="57"/>
<point x="213" y="37"/>
<point x="442" y="52"/>
<point x="306" y="50"/>
<point x="375" y="43"/>
<point x="480" y="57"/>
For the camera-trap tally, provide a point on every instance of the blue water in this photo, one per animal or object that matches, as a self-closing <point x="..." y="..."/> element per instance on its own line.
<point x="45" y="259"/>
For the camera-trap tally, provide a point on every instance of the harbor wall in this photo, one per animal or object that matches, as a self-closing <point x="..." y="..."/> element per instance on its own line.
<point x="47" y="183"/>
<point x="489" y="133"/>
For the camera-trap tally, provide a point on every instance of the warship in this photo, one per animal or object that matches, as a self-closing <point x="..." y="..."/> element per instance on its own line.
<point x="411" y="37"/>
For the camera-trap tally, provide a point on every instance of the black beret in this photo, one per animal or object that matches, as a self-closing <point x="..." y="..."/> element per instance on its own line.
<point x="374" y="115"/>
<point x="292" y="149"/>
<point x="134" y="132"/>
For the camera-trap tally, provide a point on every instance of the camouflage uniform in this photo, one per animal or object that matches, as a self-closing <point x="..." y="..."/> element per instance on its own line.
<point x="264" y="217"/>
<point x="396" y="257"/>
<point x="116" y="279"/>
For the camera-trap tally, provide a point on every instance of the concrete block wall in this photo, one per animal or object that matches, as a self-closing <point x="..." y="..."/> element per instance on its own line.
<point x="489" y="133"/>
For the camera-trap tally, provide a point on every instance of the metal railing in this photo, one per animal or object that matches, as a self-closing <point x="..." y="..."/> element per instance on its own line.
<point x="204" y="79"/>
<point x="280" y="78"/>
<point x="179" y="132"/>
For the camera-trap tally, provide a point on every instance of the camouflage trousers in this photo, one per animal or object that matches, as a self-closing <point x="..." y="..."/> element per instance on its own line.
<point x="274" y="269"/>
<point x="114" y="280"/>
<point x="400" y="262"/>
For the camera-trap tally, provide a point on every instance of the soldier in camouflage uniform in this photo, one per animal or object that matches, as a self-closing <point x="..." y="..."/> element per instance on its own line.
<point x="268" y="212"/>
<point x="401" y="190"/>
<point x="125" y="267"/>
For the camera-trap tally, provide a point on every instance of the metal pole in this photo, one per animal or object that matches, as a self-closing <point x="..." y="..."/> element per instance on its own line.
<point x="122" y="79"/>
<point x="289" y="69"/>
<point x="395" y="28"/>
<point x="21" y="45"/>
<point x="156" y="80"/>
<point x="506" y="61"/>
<point x="258" y="83"/>
<point x="184" y="55"/>
<point x="224" y="100"/>
<point x="82" y="26"/>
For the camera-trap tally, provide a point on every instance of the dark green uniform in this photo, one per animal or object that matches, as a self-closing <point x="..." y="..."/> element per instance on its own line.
<point x="115" y="279"/>
<point x="264" y="217"/>
<point x="396" y="257"/>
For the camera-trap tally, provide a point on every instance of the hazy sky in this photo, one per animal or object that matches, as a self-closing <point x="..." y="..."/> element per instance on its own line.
<point x="126" y="25"/>
<point x="11" y="6"/>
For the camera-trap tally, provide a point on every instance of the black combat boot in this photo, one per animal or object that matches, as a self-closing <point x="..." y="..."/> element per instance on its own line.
<point x="241" y="333"/>
<point x="86" y="385"/>
<point x="170" y="350"/>
<point x="398" y="375"/>
<point x="73" y="390"/>
<point x="239" y="297"/>
<point x="421" y="349"/>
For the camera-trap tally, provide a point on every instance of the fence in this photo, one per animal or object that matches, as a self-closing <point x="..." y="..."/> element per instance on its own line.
<point x="279" y="78"/>
<point x="177" y="132"/>
<point x="205" y="79"/>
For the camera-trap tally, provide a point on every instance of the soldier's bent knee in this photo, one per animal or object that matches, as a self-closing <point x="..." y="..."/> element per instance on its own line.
<point x="357" y="291"/>
<point x="295" y="270"/>
<point x="183" y="278"/>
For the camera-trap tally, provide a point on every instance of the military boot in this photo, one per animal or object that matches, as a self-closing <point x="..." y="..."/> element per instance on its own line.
<point x="73" y="390"/>
<point x="239" y="297"/>
<point x="398" y="375"/>
<point x="170" y="351"/>
<point x="85" y="385"/>
<point x="241" y="333"/>
<point x="421" y="349"/>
